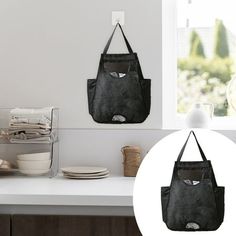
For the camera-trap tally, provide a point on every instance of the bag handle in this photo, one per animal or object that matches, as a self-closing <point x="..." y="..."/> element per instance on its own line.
<point x="110" y="39"/>
<point x="199" y="147"/>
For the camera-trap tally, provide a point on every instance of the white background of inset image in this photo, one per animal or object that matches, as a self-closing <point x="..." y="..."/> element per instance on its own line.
<point x="156" y="171"/>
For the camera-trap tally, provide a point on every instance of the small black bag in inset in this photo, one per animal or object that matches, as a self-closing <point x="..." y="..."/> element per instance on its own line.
<point x="193" y="202"/>
<point x="119" y="94"/>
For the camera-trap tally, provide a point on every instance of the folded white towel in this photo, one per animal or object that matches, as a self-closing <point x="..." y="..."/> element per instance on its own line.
<point x="14" y="126"/>
<point x="30" y="125"/>
<point x="26" y="120"/>
<point x="41" y="132"/>
<point x="33" y="140"/>
<point x="23" y="117"/>
<point x="25" y="136"/>
<point x="32" y="113"/>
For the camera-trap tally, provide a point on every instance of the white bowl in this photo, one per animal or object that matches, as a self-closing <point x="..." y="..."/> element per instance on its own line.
<point x="33" y="165"/>
<point x="42" y="156"/>
<point x="34" y="172"/>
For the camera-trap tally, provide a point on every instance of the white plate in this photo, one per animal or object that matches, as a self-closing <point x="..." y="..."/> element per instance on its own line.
<point x="83" y="169"/>
<point x="87" y="175"/>
<point x="91" y="177"/>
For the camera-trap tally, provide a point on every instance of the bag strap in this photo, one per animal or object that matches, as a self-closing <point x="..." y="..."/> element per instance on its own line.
<point x="199" y="147"/>
<point x="110" y="39"/>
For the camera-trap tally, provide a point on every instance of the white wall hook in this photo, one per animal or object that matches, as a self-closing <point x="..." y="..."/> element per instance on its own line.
<point x="118" y="17"/>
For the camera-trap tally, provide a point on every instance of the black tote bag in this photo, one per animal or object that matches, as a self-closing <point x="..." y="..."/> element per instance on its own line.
<point x="119" y="94"/>
<point x="193" y="202"/>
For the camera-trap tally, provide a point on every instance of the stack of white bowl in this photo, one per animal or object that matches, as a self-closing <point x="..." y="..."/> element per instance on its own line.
<point x="34" y="163"/>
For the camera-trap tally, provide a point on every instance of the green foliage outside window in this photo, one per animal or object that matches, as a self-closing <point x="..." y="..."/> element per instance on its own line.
<point x="196" y="46"/>
<point x="221" y="47"/>
<point x="202" y="79"/>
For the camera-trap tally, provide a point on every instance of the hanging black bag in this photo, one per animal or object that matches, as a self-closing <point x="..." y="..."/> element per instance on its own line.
<point x="193" y="202"/>
<point x="119" y="94"/>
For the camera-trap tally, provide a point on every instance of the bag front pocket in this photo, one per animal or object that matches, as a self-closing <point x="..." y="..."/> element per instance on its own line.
<point x="91" y="86"/>
<point x="220" y="202"/>
<point x="165" y="194"/>
<point x="146" y="91"/>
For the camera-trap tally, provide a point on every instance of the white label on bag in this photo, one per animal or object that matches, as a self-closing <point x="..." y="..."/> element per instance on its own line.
<point x="192" y="225"/>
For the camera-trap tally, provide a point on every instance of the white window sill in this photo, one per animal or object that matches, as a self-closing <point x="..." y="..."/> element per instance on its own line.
<point x="217" y="123"/>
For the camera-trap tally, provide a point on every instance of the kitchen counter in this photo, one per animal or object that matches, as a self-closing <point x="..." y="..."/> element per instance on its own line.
<point x="42" y="195"/>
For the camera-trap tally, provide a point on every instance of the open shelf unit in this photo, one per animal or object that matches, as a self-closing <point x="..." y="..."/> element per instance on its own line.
<point x="10" y="148"/>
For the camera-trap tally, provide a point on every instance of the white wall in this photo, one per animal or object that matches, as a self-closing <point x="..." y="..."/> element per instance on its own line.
<point x="102" y="147"/>
<point x="49" y="48"/>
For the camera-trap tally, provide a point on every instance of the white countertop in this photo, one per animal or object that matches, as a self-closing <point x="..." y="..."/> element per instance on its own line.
<point x="58" y="191"/>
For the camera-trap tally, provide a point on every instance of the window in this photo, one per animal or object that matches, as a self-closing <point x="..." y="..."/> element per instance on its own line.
<point x="206" y="51"/>
<point x="199" y="43"/>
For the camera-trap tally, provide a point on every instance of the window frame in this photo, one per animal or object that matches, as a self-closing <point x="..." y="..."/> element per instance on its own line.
<point x="170" y="118"/>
